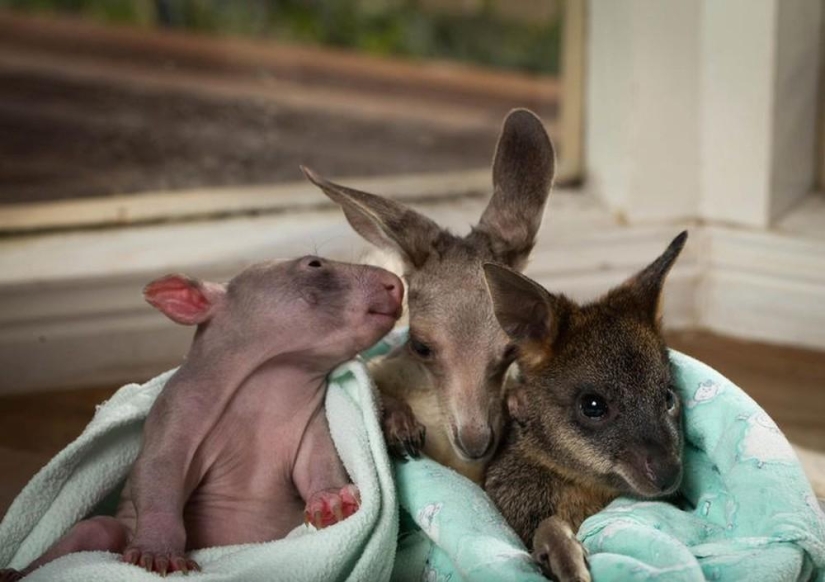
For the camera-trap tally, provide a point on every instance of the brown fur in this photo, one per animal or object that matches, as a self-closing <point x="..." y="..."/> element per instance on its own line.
<point x="451" y="398"/>
<point x="557" y="461"/>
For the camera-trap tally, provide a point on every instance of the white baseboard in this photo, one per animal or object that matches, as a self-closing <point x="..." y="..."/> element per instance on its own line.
<point x="764" y="286"/>
<point x="72" y="314"/>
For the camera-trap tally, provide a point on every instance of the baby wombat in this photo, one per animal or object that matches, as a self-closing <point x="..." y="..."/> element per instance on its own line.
<point x="594" y="415"/>
<point x="236" y="448"/>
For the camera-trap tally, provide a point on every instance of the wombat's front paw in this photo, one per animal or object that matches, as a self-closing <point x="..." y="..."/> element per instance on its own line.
<point x="402" y="431"/>
<point x="10" y="575"/>
<point x="330" y="506"/>
<point x="160" y="561"/>
<point x="560" y="554"/>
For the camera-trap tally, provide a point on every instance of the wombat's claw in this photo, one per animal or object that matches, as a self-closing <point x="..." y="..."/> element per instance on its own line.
<point x="330" y="506"/>
<point x="162" y="564"/>
<point x="10" y="575"/>
<point x="402" y="431"/>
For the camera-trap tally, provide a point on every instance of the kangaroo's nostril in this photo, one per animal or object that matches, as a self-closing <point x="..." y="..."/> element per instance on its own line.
<point x="476" y="443"/>
<point x="670" y="477"/>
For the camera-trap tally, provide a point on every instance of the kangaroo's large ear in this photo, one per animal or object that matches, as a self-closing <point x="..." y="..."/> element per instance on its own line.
<point x="385" y="223"/>
<point x="523" y="170"/>
<point x="643" y="291"/>
<point x="183" y="299"/>
<point x="527" y="313"/>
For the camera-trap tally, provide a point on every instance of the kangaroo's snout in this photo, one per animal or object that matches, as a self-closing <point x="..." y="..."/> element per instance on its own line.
<point x="667" y="474"/>
<point x="663" y="472"/>
<point x="475" y="440"/>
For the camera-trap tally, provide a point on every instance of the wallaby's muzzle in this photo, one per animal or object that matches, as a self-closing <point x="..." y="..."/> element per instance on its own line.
<point x="474" y="441"/>
<point x="653" y="472"/>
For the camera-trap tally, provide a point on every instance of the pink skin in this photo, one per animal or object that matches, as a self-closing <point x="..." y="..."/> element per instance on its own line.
<point x="236" y="448"/>
<point x="331" y="506"/>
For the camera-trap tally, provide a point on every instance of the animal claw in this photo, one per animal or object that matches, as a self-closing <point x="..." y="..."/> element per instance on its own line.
<point x="405" y="436"/>
<point x="331" y="506"/>
<point x="161" y="563"/>
<point x="179" y="564"/>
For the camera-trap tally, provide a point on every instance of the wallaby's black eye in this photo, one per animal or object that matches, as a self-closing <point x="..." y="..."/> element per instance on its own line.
<point x="420" y="349"/>
<point x="670" y="399"/>
<point x="593" y="406"/>
<point x="510" y="353"/>
<point x="314" y="263"/>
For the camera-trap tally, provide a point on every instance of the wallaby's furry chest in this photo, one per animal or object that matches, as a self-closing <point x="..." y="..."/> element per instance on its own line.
<point x="403" y="378"/>
<point x="528" y="490"/>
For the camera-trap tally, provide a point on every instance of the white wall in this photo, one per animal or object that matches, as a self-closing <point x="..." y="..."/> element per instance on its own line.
<point x="702" y="109"/>
<point x="642" y="125"/>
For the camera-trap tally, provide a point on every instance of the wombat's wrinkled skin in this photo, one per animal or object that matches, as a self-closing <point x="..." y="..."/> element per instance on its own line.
<point x="236" y="448"/>
<point x="594" y="414"/>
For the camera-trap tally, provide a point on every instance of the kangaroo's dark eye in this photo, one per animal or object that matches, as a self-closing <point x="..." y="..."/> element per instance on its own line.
<point x="510" y="353"/>
<point x="314" y="263"/>
<point x="420" y="349"/>
<point x="593" y="406"/>
<point x="670" y="399"/>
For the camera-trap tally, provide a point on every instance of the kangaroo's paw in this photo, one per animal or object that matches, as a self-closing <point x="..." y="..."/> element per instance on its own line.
<point x="558" y="552"/>
<point x="402" y="431"/>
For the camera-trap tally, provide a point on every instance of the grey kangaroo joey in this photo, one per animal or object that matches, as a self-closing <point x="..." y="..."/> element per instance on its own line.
<point x="442" y="392"/>
<point x="236" y="448"/>
<point x="594" y="415"/>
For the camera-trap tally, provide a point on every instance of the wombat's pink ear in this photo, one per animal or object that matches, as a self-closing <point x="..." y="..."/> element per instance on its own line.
<point x="183" y="299"/>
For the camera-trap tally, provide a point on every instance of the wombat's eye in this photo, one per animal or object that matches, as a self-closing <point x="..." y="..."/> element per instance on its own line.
<point x="670" y="399"/>
<point x="593" y="406"/>
<point x="420" y="349"/>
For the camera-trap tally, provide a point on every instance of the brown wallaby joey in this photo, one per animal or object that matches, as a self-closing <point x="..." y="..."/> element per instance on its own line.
<point x="447" y="380"/>
<point x="593" y="416"/>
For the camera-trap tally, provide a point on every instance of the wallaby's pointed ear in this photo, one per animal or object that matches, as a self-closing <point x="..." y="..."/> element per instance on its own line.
<point x="523" y="169"/>
<point x="183" y="299"/>
<point x="645" y="287"/>
<point x="527" y="313"/>
<point x="385" y="223"/>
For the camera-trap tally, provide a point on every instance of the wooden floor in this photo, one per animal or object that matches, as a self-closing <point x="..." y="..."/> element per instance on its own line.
<point x="788" y="382"/>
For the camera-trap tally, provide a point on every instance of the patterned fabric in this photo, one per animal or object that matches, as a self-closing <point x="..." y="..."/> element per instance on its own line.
<point x="748" y="510"/>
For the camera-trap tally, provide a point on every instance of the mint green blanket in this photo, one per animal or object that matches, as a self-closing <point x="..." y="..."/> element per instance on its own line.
<point x="749" y="513"/>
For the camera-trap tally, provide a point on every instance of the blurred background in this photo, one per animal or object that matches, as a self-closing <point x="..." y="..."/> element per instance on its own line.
<point x="176" y="94"/>
<point x="140" y="137"/>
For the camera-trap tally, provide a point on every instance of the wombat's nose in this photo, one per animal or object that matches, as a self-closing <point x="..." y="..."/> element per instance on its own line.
<point x="311" y="262"/>
<point x="475" y="441"/>
<point x="393" y="286"/>
<point x="395" y="290"/>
